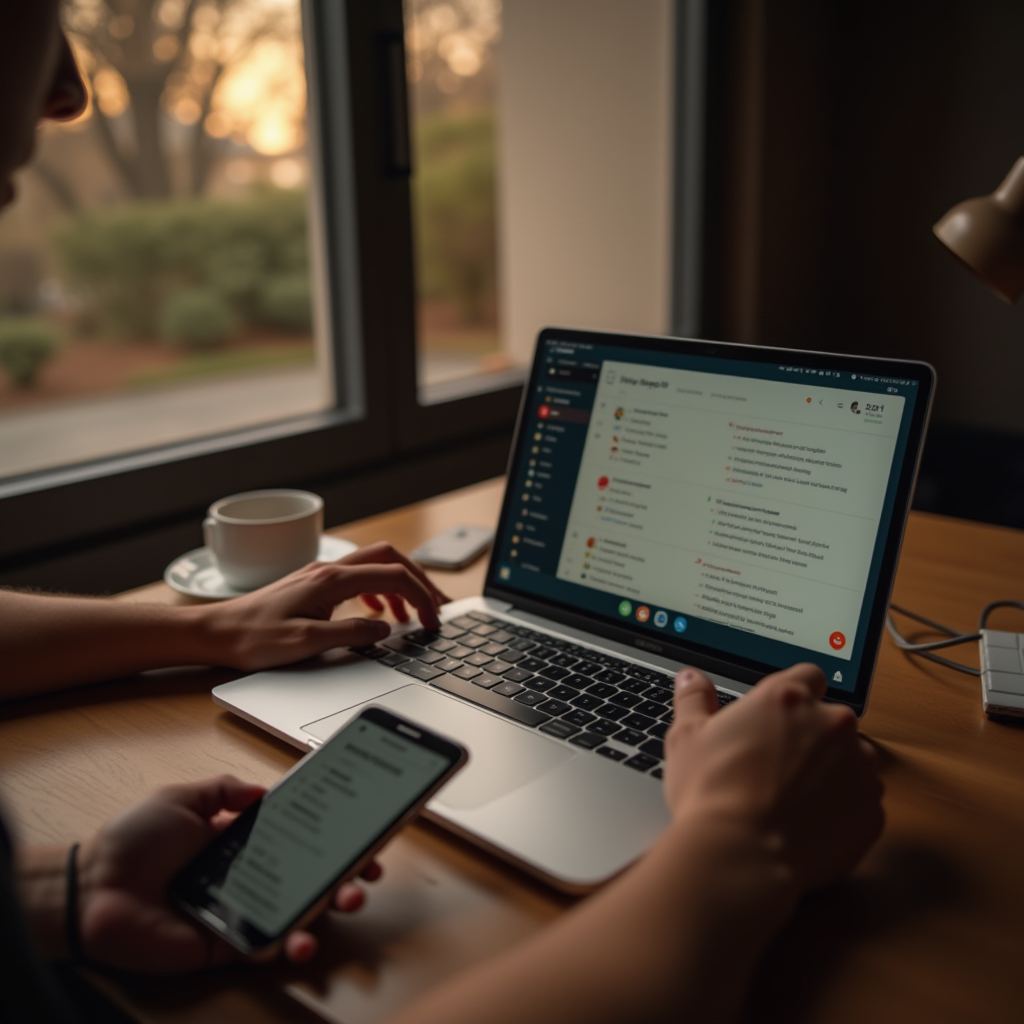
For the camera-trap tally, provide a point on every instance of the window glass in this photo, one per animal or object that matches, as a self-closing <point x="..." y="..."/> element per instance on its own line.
<point x="452" y="70"/>
<point x="154" y="271"/>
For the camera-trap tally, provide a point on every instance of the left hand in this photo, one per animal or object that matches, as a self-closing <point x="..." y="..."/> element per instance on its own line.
<point x="125" y="918"/>
<point x="291" y="619"/>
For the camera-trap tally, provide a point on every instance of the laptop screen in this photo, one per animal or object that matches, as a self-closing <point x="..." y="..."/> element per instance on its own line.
<point x="712" y="498"/>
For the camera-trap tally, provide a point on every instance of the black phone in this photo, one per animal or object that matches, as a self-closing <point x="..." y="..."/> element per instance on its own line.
<point x="275" y="865"/>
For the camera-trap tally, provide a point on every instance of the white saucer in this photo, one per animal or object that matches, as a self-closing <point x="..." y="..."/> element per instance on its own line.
<point x="195" y="573"/>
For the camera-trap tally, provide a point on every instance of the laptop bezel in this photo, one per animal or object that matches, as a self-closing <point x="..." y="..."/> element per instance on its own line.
<point x="734" y="667"/>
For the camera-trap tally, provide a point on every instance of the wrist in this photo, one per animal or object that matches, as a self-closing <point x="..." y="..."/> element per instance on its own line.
<point x="42" y="881"/>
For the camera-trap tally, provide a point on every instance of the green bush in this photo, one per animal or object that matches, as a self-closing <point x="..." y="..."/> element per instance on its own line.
<point x="27" y="344"/>
<point x="287" y="303"/>
<point x="128" y="262"/>
<point x="454" y="190"/>
<point x="197" y="318"/>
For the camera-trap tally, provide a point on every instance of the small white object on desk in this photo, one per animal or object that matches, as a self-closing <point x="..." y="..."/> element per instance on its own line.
<point x="196" y="574"/>
<point x="1002" y="673"/>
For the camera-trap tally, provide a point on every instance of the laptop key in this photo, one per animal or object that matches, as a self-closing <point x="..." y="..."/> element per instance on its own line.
<point x="602" y="690"/>
<point x="586" y="701"/>
<point x="487" y="680"/>
<point x="473" y="642"/>
<point x="431" y="658"/>
<point x="532" y="664"/>
<point x="467" y="672"/>
<point x="588" y="740"/>
<point x="495" y="666"/>
<point x="541" y="684"/>
<point x="612" y="752"/>
<point x="609" y="675"/>
<point x="659" y="694"/>
<point x="448" y="665"/>
<point x="580" y="718"/>
<point x="458" y="651"/>
<point x="493" y="649"/>
<point x="484" y="630"/>
<point x="650" y="708"/>
<point x="502" y="636"/>
<point x="645" y="674"/>
<point x="554" y="672"/>
<point x="639" y="722"/>
<point x="624" y="700"/>
<point x="655" y="748"/>
<point x="403" y="646"/>
<point x="529" y="698"/>
<point x="612" y="711"/>
<point x="642" y="762"/>
<point x="564" y="660"/>
<point x="545" y="653"/>
<point x="481" y="617"/>
<point x="631" y="737"/>
<point x="554" y="707"/>
<point x="581" y="682"/>
<point x="442" y="645"/>
<point x="508" y="689"/>
<point x="450" y="631"/>
<point x="636" y="686"/>
<point x="464" y="622"/>
<point x="511" y="656"/>
<point x="588" y="668"/>
<point x="370" y="652"/>
<point x="393" y="660"/>
<point x="658" y="773"/>
<point x="479" y="659"/>
<point x="605" y="727"/>
<point x="422" y="636"/>
<point x="563" y="692"/>
<point x="658" y="730"/>
<point x="522" y="644"/>
<point x="556" y="727"/>
<point x="419" y="671"/>
<point x="517" y="675"/>
<point x="491" y="700"/>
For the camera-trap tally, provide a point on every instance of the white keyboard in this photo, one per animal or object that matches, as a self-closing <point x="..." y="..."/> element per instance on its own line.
<point x="1002" y="673"/>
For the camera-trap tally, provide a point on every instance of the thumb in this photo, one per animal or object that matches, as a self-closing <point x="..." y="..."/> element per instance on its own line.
<point x="695" y="699"/>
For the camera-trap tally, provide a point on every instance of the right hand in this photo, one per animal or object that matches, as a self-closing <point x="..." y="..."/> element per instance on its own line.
<point x="780" y="763"/>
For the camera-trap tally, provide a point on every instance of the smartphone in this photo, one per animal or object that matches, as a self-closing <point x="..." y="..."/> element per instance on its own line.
<point x="274" y="867"/>
<point x="456" y="548"/>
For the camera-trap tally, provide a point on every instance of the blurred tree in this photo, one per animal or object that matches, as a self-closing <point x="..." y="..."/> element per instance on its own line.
<point x="147" y="59"/>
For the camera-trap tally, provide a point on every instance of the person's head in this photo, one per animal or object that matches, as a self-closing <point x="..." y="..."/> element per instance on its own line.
<point x="38" y="79"/>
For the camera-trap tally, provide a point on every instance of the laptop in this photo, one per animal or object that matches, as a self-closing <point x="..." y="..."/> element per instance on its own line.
<point x="670" y="502"/>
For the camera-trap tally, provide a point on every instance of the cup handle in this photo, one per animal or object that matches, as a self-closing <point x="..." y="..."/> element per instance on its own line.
<point x="210" y="533"/>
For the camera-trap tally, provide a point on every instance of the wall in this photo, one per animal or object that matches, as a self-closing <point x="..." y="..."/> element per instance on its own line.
<point x="585" y="137"/>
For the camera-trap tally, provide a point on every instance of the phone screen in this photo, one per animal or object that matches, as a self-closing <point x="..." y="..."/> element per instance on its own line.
<point x="281" y="855"/>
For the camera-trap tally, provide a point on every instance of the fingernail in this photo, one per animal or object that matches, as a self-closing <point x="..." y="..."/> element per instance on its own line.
<point x="685" y="679"/>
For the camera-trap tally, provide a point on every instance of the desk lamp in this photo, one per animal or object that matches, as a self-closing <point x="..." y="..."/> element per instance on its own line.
<point x="987" y="235"/>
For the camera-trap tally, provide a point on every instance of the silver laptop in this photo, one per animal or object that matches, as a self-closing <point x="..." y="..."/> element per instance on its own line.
<point x="670" y="502"/>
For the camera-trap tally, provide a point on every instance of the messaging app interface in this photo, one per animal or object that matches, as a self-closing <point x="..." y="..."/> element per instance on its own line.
<point x="741" y="510"/>
<point x="321" y="819"/>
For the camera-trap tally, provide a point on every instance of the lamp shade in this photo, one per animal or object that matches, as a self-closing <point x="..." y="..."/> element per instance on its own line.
<point x="987" y="235"/>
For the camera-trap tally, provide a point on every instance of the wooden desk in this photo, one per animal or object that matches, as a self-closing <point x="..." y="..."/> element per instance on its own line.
<point x="930" y="929"/>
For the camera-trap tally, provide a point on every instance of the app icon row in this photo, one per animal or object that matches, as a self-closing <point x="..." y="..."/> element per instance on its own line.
<point x="643" y="614"/>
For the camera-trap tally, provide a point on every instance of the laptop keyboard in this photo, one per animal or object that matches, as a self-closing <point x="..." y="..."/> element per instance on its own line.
<point x="567" y="691"/>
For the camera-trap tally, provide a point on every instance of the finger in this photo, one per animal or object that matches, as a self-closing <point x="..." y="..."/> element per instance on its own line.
<point x="397" y="606"/>
<point x="373" y="602"/>
<point x="804" y="675"/>
<point x="372" y="872"/>
<point x="349" y="898"/>
<point x="207" y="798"/>
<point x="299" y="947"/>
<point x="695" y="700"/>
<point x="341" y="582"/>
<point x="356" y="632"/>
<point x="384" y="553"/>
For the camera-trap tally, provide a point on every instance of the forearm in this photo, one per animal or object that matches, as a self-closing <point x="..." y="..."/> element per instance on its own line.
<point x="676" y="939"/>
<point x="47" y="643"/>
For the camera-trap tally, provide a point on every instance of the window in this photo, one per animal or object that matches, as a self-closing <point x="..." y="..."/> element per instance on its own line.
<point x="557" y="129"/>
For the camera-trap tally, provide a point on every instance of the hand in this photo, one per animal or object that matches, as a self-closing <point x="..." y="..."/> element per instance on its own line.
<point x="781" y="763"/>
<point x="290" y="620"/>
<point x="125" y="919"/>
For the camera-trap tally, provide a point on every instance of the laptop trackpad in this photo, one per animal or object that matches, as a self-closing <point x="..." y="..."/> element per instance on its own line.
<point x="502" y="757"/>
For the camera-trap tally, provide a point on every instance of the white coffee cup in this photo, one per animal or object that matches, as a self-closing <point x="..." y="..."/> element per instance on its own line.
<point x="259" y="536"/>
